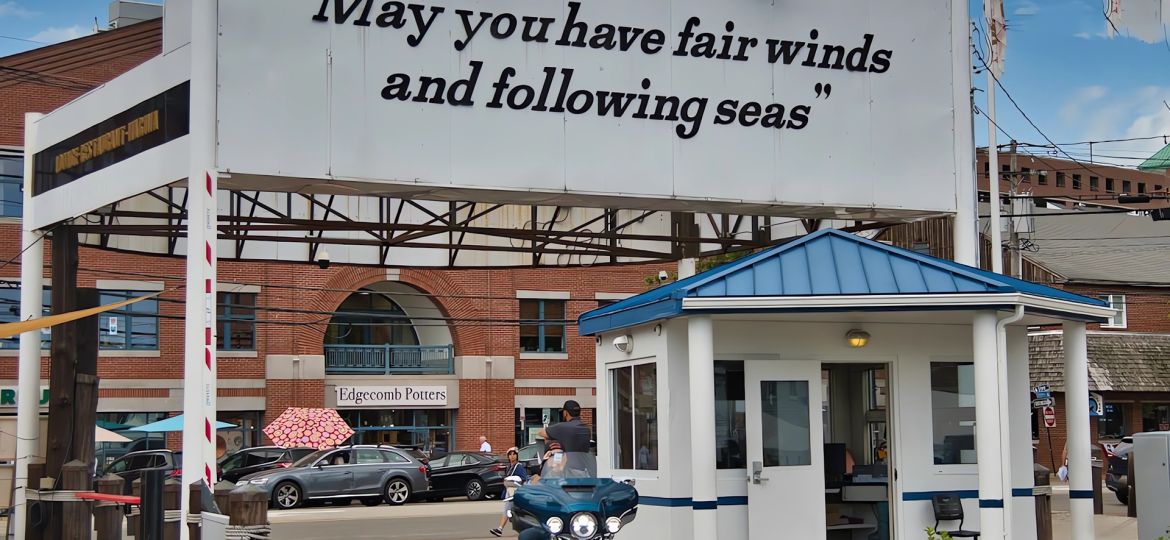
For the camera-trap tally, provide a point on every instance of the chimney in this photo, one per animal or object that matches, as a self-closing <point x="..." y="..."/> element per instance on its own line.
<point x="126" y="13"/>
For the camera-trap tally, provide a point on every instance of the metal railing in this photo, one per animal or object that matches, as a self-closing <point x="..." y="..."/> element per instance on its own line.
<point x="390" y="359"/>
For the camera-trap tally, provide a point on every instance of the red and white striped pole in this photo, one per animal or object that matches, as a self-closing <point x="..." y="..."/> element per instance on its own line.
<point x="199" y="384"/>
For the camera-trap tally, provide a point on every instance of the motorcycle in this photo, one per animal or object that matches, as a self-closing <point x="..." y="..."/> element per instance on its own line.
<point x="570" y="502"/>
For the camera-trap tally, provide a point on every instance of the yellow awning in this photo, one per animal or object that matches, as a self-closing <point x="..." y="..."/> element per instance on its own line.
<point x="8" y="330"/>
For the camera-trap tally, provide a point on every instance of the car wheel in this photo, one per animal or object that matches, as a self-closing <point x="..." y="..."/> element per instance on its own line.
<point x="474" y="489"/>
<point x="287" y="495"/>
<point x="397" y="492"/>
<point x="371" y="501"/>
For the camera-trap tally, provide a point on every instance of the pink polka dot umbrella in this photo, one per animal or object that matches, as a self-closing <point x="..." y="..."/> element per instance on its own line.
<point x="315" y="428"/>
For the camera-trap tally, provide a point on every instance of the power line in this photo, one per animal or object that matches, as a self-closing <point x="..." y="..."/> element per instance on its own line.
<point x="23" y="39"/>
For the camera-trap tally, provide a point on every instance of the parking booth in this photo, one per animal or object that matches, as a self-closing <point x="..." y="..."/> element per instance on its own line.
<point x="831" y="387"/>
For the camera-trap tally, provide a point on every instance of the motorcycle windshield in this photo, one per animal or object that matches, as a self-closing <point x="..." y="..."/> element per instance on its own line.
<point x="559" y="464"/>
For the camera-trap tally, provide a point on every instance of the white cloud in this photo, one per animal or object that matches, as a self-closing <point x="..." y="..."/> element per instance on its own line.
<point x="12" y="9"/>
<point x="1071" y="111"/>
<point x="1083" y="35"/>
<point x="55" y="34"/>
<point x="1152" y="121"/>
<point x="1026" y="8"/>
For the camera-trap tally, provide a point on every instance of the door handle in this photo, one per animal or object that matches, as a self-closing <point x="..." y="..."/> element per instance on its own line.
<point x="757" y="471"/>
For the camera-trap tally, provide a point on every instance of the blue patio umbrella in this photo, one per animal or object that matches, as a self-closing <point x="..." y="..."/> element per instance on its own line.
<point x="174" y="423"/>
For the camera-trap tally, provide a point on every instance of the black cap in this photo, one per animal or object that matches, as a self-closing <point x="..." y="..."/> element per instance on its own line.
<point x="572" y="407"/>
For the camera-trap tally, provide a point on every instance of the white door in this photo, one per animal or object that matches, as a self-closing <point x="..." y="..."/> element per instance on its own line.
<point x="786" y="480"/>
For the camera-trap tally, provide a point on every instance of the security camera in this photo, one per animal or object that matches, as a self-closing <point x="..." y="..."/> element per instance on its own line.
<point x="662" y="275"/>
<point x="623" y="343"/>
<point x="323" y="259"/>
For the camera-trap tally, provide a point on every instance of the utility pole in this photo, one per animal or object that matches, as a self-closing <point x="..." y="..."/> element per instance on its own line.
<point x="1013" y="234"/>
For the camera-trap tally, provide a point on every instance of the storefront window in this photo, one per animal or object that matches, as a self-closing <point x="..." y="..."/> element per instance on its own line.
<point x="730" y="403"/>
<point x="1155" y="416"/>
<point x="635" y="407"/>
<point x="120" y="423"/>
<point x="370" y="318"/>
<point x="246" y="433"/>
<point x="1111" y="424"/>
<point x="429" y="429"/>
<point x="952" y="388"/>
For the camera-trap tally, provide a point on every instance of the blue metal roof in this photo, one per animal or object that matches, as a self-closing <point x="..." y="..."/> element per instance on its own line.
<point x="825" y="263"/>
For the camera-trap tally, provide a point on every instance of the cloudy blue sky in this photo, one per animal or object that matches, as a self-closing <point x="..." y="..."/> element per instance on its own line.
<point x="1072" y="80"/>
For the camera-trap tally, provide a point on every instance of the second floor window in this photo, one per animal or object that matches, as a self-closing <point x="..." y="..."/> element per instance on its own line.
<point x="11" y="185"/>
<point x="236" y="322"/>
<point x="542" y="326"/>
<point x="132" y="327"/>
<point x="1116" y="301"/>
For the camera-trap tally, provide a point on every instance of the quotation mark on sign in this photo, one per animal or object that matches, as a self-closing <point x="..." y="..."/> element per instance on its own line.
<point x="825" y="89"/>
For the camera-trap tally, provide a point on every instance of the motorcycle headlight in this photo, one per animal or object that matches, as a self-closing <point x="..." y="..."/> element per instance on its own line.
<point x="584" y="525"/>
<point x="613" y="524"/>
<point x="555" y="525"/>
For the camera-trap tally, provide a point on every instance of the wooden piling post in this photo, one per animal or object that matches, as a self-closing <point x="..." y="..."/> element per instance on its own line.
<point x="108" y="516"/>
<point x="172" y="500"/>
<point x="75" y="515"/>
<point x="195" y="504"/>
<point x="249" y="506"/>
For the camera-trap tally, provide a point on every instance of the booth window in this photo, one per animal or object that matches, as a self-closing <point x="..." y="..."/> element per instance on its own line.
<point x="1116" y="301"/>
<point x="236" y="322"/>
<point x="10" y="312"/>
<point x="785" y="423"/>
<point x="635" y="410"/>
<point x="542" y="326"/>
<point x="11" y="185"/>
<point x="952" y="389"/>
<point x="730" y="420"/>
<point x="132" y="327"/>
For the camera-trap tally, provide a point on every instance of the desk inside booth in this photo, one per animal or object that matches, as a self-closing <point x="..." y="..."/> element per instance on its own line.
<point x="857" y="506"/>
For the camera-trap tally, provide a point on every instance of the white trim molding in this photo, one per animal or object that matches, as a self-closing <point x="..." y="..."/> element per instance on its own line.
<point x="542" y="295"/>
<point x="544" y="356"/>
<point x="894" y="301"/>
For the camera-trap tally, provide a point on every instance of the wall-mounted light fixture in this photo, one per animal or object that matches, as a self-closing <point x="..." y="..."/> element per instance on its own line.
<point x="857" y="338"/>
<point x="624" y="344"/>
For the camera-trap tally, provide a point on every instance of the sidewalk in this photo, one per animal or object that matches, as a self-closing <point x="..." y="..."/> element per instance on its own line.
<point x="1106" y="527"/>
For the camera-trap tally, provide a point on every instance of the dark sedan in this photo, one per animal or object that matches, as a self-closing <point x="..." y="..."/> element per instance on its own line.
<point x="472" y="474"/>
<point x="1117" y="475"/>
<point x="261" y="458"/>
<point x="130" y="466"/>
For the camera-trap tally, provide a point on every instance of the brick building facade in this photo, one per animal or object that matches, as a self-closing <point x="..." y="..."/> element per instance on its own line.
<point x="286" y="344"/>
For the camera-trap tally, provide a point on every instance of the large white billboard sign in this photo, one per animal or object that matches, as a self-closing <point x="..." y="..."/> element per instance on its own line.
<point x="828" y="107"/>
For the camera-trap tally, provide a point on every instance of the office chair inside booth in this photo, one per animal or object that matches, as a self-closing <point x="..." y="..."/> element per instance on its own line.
<point x="949" y="507"/>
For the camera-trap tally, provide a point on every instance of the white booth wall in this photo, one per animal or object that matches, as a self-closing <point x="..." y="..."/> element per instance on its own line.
<point x="665" y="510"/>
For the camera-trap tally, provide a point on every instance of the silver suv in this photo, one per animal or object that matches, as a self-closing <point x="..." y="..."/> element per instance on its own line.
<point x="369" y="473"/>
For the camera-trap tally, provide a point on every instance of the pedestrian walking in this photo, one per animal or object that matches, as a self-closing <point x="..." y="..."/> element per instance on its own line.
<point x="483" y="445"/>
<point x="515" y="468"/>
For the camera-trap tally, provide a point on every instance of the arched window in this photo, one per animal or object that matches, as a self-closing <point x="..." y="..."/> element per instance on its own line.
<point x="370" y="318"/>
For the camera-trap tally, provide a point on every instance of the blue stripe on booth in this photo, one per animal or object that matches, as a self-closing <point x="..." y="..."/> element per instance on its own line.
<point x="664" y="501"/>
<point x="705" y="505"/>
<point x="733" y="501"/>
<point x="681" y="502"/>
<point x="1022" y="492"/>
<point x="1080" y="494"/>
<point x="990" y="503"/>
<point x="928" y="495"/>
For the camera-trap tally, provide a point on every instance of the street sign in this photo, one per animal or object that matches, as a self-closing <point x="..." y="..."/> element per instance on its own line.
<point x="1042" y="391"/>
<point x="1040" y="403"/>
<point x="1049" y="417"/>
<point x="1096" y="405"/>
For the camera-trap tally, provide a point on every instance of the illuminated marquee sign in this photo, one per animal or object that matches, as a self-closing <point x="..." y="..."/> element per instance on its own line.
<point x="153" y="122"/>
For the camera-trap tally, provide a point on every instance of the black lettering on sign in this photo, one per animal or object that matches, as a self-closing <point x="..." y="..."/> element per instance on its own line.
<point x="154" y="122"/>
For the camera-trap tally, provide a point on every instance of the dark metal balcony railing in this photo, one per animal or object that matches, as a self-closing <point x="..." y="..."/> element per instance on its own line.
<point x="390" y="359"/>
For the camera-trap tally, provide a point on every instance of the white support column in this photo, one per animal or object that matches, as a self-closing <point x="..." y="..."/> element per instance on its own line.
<point x="704" y="490"/>
<point x="28" y="412"/>
<point x="1076" y="407"/>
<point x="1019" y="442"/>
<point x="199" y="385"/>
<point x="988" y="431"/>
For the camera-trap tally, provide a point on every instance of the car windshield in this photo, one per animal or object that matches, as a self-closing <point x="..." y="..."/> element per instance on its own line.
<point x="311" y="458"/>
<point x="559" y="464"/>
